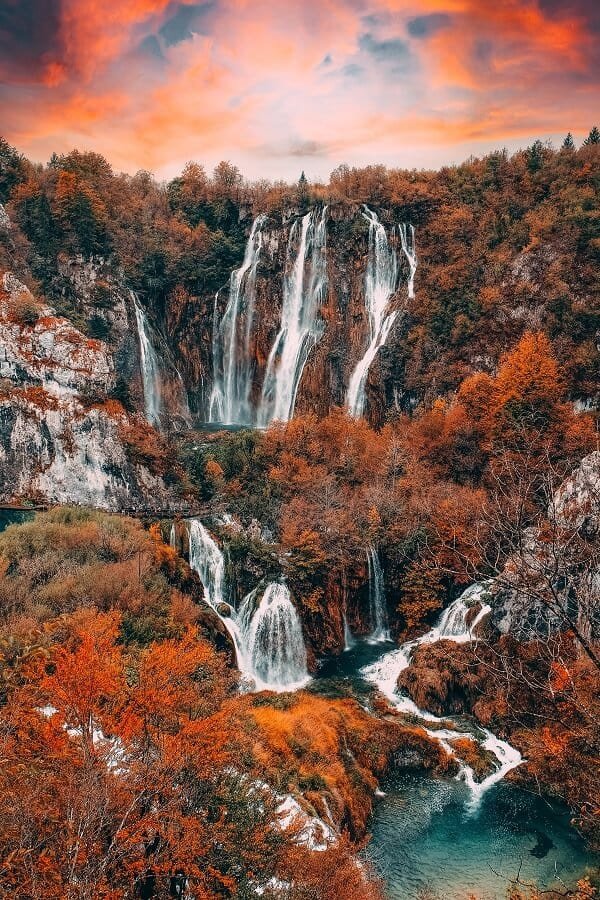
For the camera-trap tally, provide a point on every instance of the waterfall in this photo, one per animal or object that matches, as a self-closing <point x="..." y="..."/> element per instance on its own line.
<point x="300" y="328"/>
<point x="268" y="639"/>
<point x="276" y="652"/>
<point x="233" y="366"/>
<point x="151" y="380"/>
<point x="407" y="239"/>
<point x="380" y="284"/>
<point x="377" y="601"/>
<point x="349" y="641"/>
<point x="452" y="626"/>
<point x="207" y="560"/>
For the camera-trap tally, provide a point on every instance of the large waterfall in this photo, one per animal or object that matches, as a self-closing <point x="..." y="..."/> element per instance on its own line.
<point x="233" y="364"/>
<point x="305" y="284"/>
<point x="268" y="640"/>
<point x="380" y="284"/>
<point x="151" y="380"/>
<point x="377" y="601"/>
<point x="276" y="653"/>
<point x="453" y="625"/>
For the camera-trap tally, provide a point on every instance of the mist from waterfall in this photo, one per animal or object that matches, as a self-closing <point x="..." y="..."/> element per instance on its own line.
<point x="268" y="639"/>
<point x="233" y="365"/>
<point x="150" y="369"/>
<point x="304" y="288"/>
<point x="381" y="280"/>
<point x="377" y="599"/>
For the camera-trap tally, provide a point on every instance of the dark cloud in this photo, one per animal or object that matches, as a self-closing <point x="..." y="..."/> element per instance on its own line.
<point x="29" y="38"/>
<point x="584" y="9"/>
<point x="392" y="50"/>
<point x="424" y="26"/>
<point x="352" y="70"/>
<point x="185" y="20"/>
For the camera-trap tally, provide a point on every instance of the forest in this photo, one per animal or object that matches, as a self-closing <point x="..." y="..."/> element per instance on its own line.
<point x="135" y="760"/>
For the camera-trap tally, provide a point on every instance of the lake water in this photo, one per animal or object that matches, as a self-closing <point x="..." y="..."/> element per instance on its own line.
<point x="424" y="838"/>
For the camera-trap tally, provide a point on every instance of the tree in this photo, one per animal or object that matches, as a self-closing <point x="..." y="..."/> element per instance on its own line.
<point x="12" y="169"/>
<point x="593" y="137"/>
<point x="568" y="143"/>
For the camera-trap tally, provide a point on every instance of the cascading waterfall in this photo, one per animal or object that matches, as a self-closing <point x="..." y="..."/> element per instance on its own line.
<point x="207" y="560"/>
<point x="452" y="626"/>
<point x="380" y="284"/>
<point x="300" y="328"/>
<point x="268" y="638"/>
<point x="407" y="239"/>
<point x="151" y="380"/>
<point x="233" y="367"/>
<point x="276" y="653"/>
<point x="377" y="601"/>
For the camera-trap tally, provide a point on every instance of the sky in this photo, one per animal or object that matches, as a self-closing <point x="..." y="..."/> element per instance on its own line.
<point x="281" y="86"/>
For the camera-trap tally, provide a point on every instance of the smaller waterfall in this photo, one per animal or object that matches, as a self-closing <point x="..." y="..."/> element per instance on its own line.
<point x="207" y="560"/>
<point x="380" y="284"/>
<point x="300" y="327"/>
<point x="407" y="239"/>
<point x="173" y="537"/>
<point x="267" y="638"/>
<point x="377" y="601"/>
<point x="452" y="626"/>
<point x="349" y="640"/>
<point x="233" y="366"/>
<point x="151" y="380"/>
<point x="276" y="651"/>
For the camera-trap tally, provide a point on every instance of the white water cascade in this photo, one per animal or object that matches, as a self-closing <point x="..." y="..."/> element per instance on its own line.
<point x="377" y="601"/>
<point x="151" y="380"/>
<point x="268" y="640"/>
<point x="304" y="287"/>
<point x="407" y="239"/>
<point x="452" y="626"/>
<point x="232" y="361"/>
<point x="275" y="646"/>
<point x="208" y="561"/>
<point x="380" y="284"/>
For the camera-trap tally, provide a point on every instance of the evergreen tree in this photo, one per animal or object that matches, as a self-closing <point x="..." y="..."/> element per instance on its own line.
<point x="568" y="143"/>
<point x="303" y="190"/>
<point x="535" y="156"/>
<point x="12" y="169"/>
<point x="593" y="137"/>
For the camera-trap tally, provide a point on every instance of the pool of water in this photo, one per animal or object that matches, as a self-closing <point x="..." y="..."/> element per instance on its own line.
<point x="424" y="838"/>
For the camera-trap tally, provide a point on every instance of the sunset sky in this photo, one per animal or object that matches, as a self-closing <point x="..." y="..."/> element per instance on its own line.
<point x="277" y="87"/>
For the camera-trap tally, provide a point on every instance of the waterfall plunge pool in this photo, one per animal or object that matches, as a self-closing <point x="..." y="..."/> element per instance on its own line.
<point x="426" y="838"/>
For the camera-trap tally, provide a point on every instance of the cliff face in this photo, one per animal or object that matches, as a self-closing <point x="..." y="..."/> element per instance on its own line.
<point x="61" y="434"/>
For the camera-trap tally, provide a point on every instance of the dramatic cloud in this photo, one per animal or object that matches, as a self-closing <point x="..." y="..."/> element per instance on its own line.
<point x="308" y="83"/>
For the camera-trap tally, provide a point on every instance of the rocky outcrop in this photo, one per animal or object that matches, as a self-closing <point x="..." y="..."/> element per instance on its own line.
<point x="551" y="581"/>
<point x="61" y="439"/>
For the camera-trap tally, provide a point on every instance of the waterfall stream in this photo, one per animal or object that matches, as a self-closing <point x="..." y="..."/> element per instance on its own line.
<point x="407" y="239"/>
<point x="233" y="365"/>
<point x="452" y="626"/>
<point x="276" y="653"/>
<point x="151" y="380"/>
<point x="305" y="285"/>
<point x="268" y="640"/>
<point x="380" y="284"/>
<point x="377" y="600"/>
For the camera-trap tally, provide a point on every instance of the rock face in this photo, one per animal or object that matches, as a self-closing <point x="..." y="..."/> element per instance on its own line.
<point x="61" y="437"/>
<point x="554" y="579"/>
